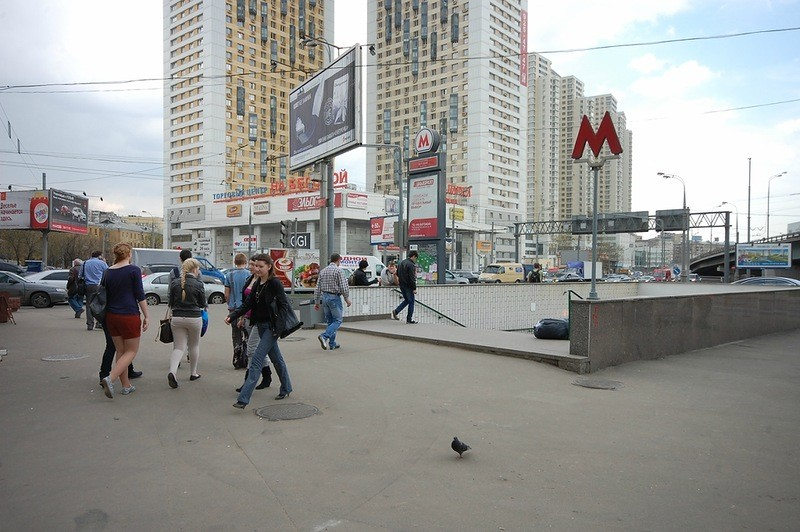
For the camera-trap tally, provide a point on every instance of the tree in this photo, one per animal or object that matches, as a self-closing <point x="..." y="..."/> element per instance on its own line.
<point x="21" y="244"/>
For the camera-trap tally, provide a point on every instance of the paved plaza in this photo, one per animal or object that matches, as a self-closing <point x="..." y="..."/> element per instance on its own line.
<point x="706" y="440"/>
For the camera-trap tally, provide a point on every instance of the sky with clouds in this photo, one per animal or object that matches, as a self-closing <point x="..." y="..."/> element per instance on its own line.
<point x="698" y="108"/>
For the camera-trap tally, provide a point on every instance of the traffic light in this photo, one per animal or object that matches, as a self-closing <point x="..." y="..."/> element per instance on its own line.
<point x="285" y="232"/>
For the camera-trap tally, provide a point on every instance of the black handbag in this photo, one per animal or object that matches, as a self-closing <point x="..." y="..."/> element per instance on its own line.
<point x="286" y="321"/>
<point x="99" y="301"/>
<point x="165" y="328"/>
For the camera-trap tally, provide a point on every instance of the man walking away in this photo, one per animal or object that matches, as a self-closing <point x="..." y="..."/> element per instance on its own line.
<point x="234" y="286"/>
<point x="92" y="272"/>
<point x="407" y="275"/>
<point x="331" y="286"/>
<point x="75" y="300"/>
<point x="175" y="272"/>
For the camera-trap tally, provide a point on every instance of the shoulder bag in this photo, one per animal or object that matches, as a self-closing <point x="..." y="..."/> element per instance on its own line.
<point x="80" y="285"/>
<point x="99" y="301"/>
<point x="165" y="328"/>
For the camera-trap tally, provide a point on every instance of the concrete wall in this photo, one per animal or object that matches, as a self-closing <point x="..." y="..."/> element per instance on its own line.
<point x="615" y="331"/>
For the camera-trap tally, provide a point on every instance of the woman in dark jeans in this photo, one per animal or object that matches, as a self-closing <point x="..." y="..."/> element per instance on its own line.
<point x="267" y="289"/>
<point x="125" y="302"/>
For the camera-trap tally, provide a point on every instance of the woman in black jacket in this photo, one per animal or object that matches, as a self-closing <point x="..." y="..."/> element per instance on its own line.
<point x="187" y="298"/>
<point x="267" y="289"/>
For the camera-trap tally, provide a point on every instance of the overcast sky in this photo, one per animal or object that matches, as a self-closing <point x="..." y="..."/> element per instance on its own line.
<point x="698" y="109"/>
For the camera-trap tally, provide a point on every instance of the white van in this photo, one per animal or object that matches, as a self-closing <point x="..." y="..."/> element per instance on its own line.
<point x="503" y="272"/>
<point x="374" y="265"/>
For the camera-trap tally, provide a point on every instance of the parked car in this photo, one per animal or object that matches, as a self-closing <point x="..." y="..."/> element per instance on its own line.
<point x="56" y="278"/>
<point x="157" y="268"/>
<point x="617" y="278"/>
<point x="503" y="272"/>
<point x="768" y="281"/>
<point x="451" y="278"/>
<point x="568" y="277"/>
<point x="156" y="288"/>
<point x="9" y="267"/>
<point x="31" y="293"/>
<point x="645" y="279"/>
<point x="472" y="277"/>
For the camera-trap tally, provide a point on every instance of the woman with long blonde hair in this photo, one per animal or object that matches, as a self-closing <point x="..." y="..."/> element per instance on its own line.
<point x="125" y="302"/>
<point x="187" y="298"/>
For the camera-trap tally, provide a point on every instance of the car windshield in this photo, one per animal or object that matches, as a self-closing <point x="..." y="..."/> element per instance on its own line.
<point x="492" y="269"/>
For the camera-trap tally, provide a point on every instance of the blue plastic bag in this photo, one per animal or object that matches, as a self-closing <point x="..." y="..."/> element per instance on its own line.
<point x="204" y="315"/>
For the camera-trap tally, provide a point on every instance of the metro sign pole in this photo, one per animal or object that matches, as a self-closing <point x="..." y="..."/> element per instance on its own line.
<point x="586" y="135"/>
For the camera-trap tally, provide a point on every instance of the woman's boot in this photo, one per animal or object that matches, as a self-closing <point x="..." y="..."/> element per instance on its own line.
<point x="266" y="378"/>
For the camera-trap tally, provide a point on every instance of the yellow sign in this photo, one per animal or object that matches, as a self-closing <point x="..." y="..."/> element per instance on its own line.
<point x="234" y="211"/>
<point x="457" y="213"/>
<point x="483" y="246"/>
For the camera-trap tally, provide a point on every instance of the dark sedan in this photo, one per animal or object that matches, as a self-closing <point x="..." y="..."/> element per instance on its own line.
<point x="32" y="293"/>
<point x="472" y="277"/>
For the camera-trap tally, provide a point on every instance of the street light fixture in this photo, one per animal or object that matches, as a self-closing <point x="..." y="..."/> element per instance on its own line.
<point x="152" y="228"/>
<point x="737" y="216"/>
<point x="768" y="186"/>
<point x="685" y="225"/>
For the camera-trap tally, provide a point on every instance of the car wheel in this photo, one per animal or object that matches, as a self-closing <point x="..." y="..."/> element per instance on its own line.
<point x="40" y="300"/>
<point x="497" y="281"/>
<point x="516" y="281"/>
<point x="152" y="300"/>
<point x="216" y="298"/>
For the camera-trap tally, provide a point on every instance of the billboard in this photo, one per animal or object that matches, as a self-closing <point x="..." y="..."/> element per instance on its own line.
<point x="15" y="208"/>
<point x="381" y="229"/>
<point x="423" y="205"/>
<point x="69" y="212"/>
<point x="763" y="256"/>
<point x="325" y="112"/>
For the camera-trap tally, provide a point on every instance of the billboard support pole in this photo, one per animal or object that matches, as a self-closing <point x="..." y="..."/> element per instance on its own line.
<point x="331" y="205"/>
<point x="45" y="232"/>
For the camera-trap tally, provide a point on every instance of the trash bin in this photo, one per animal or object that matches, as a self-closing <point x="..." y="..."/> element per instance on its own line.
<point x="34" y="265"/>
<point x="308" y="315"/>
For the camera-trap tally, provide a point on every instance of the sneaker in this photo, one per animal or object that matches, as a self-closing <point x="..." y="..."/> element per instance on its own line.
<point x="130" y="389"/>
<point x="337" y="346"/>
<point x="108" y="387"/>
<point x="323" y="342"/>
<point x="394" y="315"/>
<point x="412" y="322"/>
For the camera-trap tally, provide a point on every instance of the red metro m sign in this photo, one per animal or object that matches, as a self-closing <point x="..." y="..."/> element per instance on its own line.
<point x="605" y="133"/>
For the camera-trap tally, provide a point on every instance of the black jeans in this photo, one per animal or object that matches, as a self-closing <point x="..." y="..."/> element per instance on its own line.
<point x="108" y="357"/>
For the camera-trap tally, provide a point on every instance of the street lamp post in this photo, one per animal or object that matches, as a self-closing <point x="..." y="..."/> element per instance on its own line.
<point x="685" y="225"/>
<point x="737" y="216"/>
<point x="768" y="186"/>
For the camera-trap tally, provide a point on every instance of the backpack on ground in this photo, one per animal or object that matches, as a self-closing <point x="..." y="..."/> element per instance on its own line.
<point x="551" y="329"/>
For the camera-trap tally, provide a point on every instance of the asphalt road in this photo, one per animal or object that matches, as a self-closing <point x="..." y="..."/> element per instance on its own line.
<point x="701" y="441"/>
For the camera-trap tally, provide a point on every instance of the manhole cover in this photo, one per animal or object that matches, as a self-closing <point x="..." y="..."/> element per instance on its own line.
<point x="286" y="411"/>
<point x="598" y="384"/>
<point x="292" y="339"/>
<point x="59" y="358"/>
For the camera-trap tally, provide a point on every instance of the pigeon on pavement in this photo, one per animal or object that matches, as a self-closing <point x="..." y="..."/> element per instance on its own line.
<point x="459" y="446"/>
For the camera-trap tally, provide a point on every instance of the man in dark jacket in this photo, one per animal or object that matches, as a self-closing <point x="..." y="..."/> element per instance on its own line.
<point x="360" y="275"/>
<point x="407" y="275"/>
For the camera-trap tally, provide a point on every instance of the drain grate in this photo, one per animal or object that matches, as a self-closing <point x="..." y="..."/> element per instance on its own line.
<point x="286" y="411"/>
<point x="61" y="358"/>
<point x="597" y="384"/>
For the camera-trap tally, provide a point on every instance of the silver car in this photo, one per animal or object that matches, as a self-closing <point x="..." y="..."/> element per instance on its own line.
<point x="31" y="293"/>
<point x="156" y="288"/>
<point x="56" y="278"/>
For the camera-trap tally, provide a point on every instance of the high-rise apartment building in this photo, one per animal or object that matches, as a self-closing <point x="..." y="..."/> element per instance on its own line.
<point x="459" y="67"/>
<point x="558" y="188"/>
<point x="229" y="67"/>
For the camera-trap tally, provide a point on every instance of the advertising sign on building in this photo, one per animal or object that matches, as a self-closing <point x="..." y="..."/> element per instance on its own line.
<point x="356" y="200"/>
<point x="260" y="207"/>
<point x="245" y="242"/>
<point x="69" y="212"/>
<point x="325" y="112"/>
<point x="381" y="229"/>
<point x="763" y="256"/>
<point x="233" y="211"/>
<point x="310" y="203"/>
<point x="423" y="201"/>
